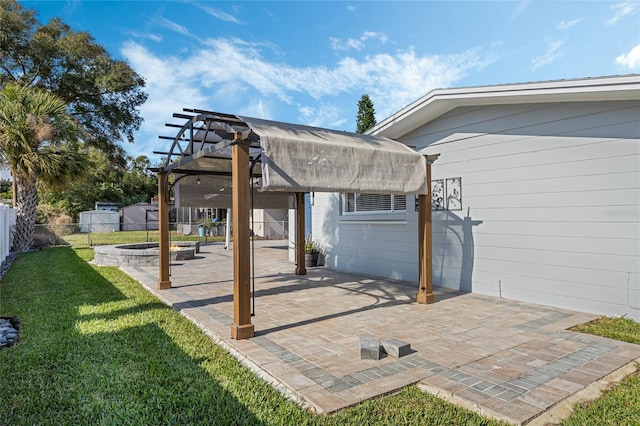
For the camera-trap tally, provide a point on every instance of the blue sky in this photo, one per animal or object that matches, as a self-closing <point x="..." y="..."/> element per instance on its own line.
<point x="309" y="62"/>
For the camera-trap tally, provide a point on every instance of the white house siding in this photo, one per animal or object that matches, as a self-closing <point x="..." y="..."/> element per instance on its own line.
<point x="551" y="202"/>
<point x="372" y="244"/>
<point x="550" y="208"/>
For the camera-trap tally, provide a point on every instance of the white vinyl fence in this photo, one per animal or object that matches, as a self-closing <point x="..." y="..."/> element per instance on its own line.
<point x="7" y="222"/>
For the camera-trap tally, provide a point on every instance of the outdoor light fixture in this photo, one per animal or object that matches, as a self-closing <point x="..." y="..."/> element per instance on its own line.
<point x="198" y="180"/>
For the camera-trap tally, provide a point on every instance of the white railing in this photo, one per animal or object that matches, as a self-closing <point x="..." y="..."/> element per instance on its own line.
<point x="7" y="222"/>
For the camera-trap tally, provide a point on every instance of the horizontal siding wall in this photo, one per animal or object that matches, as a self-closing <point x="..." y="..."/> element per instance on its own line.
<point x="364" y="244"/>
<point x="550" y="208"/>
<point x="551" y="203"/>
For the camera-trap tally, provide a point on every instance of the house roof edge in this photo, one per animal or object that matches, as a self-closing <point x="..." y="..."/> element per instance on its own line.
<point x="440" y="101"/>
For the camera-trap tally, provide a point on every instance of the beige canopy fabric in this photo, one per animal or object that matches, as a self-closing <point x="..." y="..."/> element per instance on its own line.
<point x="208" y="183"/>
<point x="215" y="192"/>
<point x="286" y="158"/>
<point x="298" y="158"/>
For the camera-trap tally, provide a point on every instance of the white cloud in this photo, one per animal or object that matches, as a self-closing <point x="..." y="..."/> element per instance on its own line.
<point x="169" y="91"/>
<point x="563" y="25"/>
<point x="631" y="59"/>
<point x="219" y="14"/>
<point x="259" y="107"/>
<point x="72" y="5"/>
<point x="351" y="8"/>
<point x="522" y="5"/>
<point x="370" y="34"/>
<point x="324" y="115"/>
<point x="173" y="26"/>
<point x="149" y="36"/>
<point x="232" y="75"/>
<point x="620" y="11"/>
<point x="551" y="55"/>
<point x="401" y="78"/>
<point x="356" y="43"/>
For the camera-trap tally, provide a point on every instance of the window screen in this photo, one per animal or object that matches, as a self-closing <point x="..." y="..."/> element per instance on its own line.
<point x="358" y="203"/>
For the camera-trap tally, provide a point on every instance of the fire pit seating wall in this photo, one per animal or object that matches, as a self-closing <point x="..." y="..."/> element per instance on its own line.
<point x="142" y="254"/>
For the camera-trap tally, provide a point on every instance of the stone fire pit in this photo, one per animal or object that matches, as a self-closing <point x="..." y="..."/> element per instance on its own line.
<point x="141" y="254"/>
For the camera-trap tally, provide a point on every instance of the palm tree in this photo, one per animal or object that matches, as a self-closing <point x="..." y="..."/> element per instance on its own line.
<point x="37" y="142"/>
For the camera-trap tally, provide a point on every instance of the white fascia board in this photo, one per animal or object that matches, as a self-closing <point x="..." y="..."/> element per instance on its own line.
<point x="440" y="101"/>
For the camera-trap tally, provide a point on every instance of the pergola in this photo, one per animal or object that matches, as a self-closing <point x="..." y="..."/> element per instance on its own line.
<point x="224" y="160"/>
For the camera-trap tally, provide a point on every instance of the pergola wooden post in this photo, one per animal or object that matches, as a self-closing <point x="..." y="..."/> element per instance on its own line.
<point x="242" y="328"/>
<point x="425" y="250"/>
<point x="301" y="268"/>
<point x="163" y="228"/>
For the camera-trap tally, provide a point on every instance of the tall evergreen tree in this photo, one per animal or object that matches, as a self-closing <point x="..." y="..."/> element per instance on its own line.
<point x="366" y="114"/>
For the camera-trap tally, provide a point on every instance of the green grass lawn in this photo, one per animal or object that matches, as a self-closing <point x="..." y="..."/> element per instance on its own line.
<point x="124" y="237"/>
<point x="96" y="348"/>
<point x="624" y="329"/>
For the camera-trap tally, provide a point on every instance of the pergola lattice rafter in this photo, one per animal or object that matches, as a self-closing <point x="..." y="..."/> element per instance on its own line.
<point x="289" y="159"/>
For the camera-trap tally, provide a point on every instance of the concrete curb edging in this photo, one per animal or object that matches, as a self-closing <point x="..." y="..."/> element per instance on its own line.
<point x="451" y="398"/>
<point x="556" y="414"/>
<point x="564" y="409"/>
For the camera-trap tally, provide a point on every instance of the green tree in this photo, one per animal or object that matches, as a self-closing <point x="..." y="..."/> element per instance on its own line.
<point x="138" y="182"/>
<point x="366" y="114"/>
<point x="102" y="182"/>
<point x="101" y="93"/>
<point x="37" y="137"/>
<point x="6" y="190"/>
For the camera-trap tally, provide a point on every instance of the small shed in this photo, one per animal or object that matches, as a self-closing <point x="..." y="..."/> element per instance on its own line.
<point x="139" y="217"/>
<point x="99" y="221"/>
<point x="104" y="205"/>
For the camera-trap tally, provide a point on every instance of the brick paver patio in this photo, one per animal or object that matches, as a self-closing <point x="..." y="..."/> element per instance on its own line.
<point x="502" y="358"/>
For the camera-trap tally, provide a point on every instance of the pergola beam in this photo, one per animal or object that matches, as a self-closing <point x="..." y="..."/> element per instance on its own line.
<point x="163" y="227"/>
<point x="425" y="244"/>
<point x="301" y="268"/>
<point x="242" y="328"/>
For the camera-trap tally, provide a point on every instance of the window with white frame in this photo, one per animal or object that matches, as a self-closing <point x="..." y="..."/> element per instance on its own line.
<point x="373" y="203"/>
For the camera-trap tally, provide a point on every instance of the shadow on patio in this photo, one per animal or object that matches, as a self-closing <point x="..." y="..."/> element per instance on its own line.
<point x="507" y="359"/>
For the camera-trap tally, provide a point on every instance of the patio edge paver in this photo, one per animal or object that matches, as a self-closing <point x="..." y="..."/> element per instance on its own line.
<point x="564" y="408"/>
<point x="450" y="397"/>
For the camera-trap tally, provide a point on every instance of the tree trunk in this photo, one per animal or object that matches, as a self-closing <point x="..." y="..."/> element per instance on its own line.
<point x="26" y="204"/>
